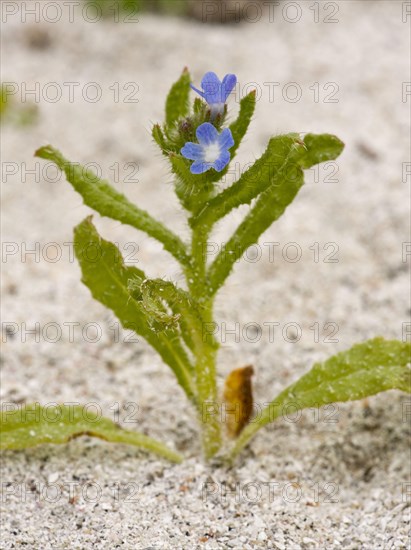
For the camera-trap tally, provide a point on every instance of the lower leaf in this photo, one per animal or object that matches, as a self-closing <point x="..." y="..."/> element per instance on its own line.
<point x="108" y="278"/>
<point x="34" y="424"/>
<point x="366" y="369"/>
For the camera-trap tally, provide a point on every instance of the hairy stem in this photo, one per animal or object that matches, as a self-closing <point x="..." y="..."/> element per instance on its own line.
<point x="206" y="350"/>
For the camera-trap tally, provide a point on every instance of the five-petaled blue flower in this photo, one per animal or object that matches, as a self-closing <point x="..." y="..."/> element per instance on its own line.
<point x="211" y="151"/>
<point x="216" y="92"/>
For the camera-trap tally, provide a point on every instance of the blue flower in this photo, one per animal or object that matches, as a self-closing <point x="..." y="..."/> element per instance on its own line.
<point x="211" y="151"/>
<point x="216" y="92"/>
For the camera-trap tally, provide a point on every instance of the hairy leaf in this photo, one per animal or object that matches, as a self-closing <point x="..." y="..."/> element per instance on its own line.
<point x="101" y="196"/>
<point x="320" y="148"/>
<point x="160" y="139"/>
<point x="240" y="126"/>
<point x="105" y="274"/>
<point x="282" y="177"/>
<point x="34" y="424"/>
<point x="252" y="182"/>
<point x="177" y="99"/>
<point x="366" y="369"/>
<point x="288" y="148"/>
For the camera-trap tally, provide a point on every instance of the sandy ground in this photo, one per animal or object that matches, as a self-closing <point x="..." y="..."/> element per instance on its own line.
<point x="331" y="479"/>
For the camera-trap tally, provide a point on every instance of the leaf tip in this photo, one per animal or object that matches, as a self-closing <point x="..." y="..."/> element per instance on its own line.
<point x="44" y="151"/>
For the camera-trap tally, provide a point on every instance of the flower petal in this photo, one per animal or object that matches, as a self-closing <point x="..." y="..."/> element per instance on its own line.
<point x="199" y="167"/>
<point x="206" y="134"/>
<point x="222" y="162"/>
<point x="197" y="90"/>
<point x="192" y="151"/>
<point x="225" y="139"/>
<point x="210" y="78"/>
<point x="227" y="86"/>
<point x="211" y="85"/>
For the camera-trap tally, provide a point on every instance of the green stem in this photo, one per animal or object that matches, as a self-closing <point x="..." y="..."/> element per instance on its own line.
<point x="174" y="356"/>
<point x="206" y="350"/>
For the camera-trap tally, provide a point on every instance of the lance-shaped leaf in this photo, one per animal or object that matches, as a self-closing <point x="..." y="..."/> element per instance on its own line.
<point x="177" y="99"/>
<point x="289" y="148"/>
<point x="105" y="274"/>
<point x="160" y="139"/>
<point x="240" y="126"/>
<point x="366" y="369"/>
<point x="34" y="424"/>
<point x="252" y="182"/>
<point x="320" y="148"/>
<point x="101" y="196"/>
<point x="286" y="177"/>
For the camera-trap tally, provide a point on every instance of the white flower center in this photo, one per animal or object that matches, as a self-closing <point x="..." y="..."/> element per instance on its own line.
<point x="211" y="152"/>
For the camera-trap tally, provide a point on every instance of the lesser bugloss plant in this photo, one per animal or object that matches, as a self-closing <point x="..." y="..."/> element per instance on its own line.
<point x="199" y="143"/>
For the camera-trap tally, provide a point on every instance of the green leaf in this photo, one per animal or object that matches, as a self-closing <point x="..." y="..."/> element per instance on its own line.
<point x="366" y="369"/>
<point x="199" y="107"/>
<point x="251" y="183"/>
<point x="34" y="424"/>
<point x="286" y="181"/>
<point x="101" y="196"/>
<point x="281" y="179"/>
<point x="320" y="148"/>
<point x="177" y="99"/>
<point x="105" y="274"/>
<point x="240" y="126"/>
<point x="159" y="138"/>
